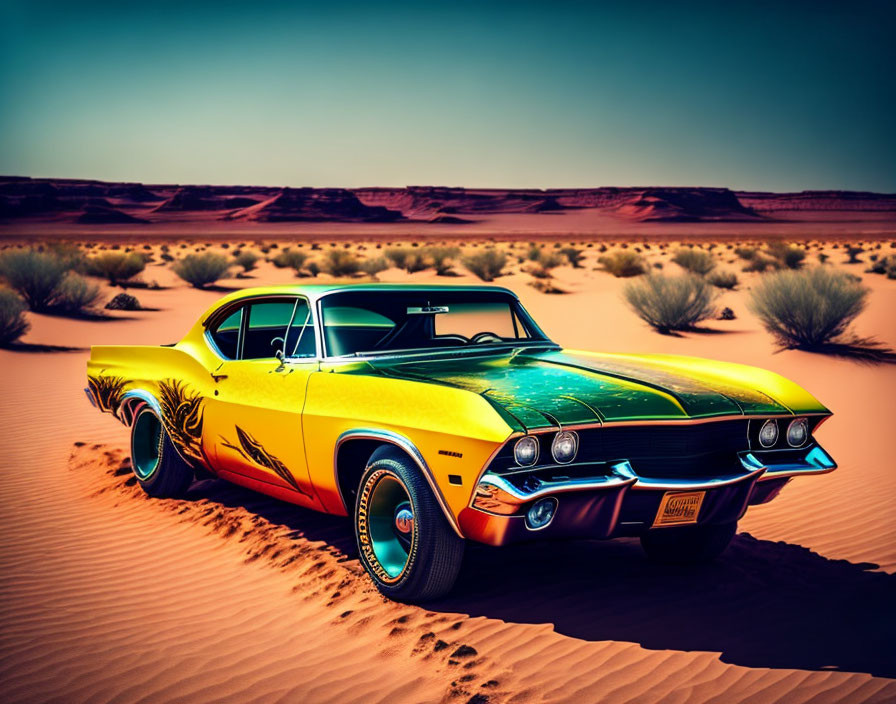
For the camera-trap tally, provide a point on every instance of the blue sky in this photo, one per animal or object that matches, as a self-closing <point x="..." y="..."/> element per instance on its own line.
<point x="775" y="96"/>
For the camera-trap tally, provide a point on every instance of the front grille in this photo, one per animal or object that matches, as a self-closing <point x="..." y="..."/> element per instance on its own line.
<point x="654" y="451"/>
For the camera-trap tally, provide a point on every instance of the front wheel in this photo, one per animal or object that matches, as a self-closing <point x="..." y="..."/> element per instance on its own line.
<point x="404" y="540"/>
<point x="688" y="544"/>
<point x="160" y="471"/>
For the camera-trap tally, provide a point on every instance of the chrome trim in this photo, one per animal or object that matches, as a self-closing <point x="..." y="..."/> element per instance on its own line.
<point x="90" y="397"/>
<point x="402" y="443"/>
<point x="816" y="461"/>
<point x="550" y="488"/>
<point x="141" y="395"/>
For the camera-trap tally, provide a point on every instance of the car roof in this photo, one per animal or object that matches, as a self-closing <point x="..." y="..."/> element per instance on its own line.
<point x="316" y="291"/>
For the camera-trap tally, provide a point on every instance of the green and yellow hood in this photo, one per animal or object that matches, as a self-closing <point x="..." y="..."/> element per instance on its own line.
<point x="549" y="388"/>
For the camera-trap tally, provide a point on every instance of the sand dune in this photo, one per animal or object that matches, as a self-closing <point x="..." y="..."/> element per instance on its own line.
<point x="106" y="595"/>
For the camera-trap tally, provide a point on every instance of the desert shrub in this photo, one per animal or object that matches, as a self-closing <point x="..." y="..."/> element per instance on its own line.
<point x="338" y="262"/>
<point x="246" y="259"/>
<point x="822" y="257"/>
<point x="761" y="262"/>
<point x="534" y="252"/>
<point x="541" y="267"/>
<point x="789" y="256"/>
<point x="573" y="255"/>
<point x="290" y="258"/>
<point x="70" y="254"/>
<point x="200" y="270"/>
<point x="853" y="253"/>
<point x="12" y="317"/>
<point x="623" y="264"/>
<point x="487" y="265"/>
<point x="407" y="259"/>
<point x="76" y="294"/>
<point x="443" y="259"/>
<point x="374" y="265"/>
<point x="807" y="308"/>
<point x="116" y="267"/>
<point x="35" y="275"/>
<point x="747" y="253"/>
<point x="695" y="261"/>
<point x="723" y="279"/>
<point x="671" y="303"/>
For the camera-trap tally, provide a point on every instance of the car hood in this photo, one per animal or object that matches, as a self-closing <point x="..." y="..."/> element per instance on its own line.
<point x="535" y="390"/>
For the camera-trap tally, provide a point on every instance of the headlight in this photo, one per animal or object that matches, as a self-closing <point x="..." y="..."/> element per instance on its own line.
<point x="565" y="446"/>
<point x="768" y="433"/>
<point x="525" y="452"/>
<point x="797" y="432"/>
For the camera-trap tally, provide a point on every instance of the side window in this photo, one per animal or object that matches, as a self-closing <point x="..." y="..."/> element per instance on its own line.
<point x="227" y="334"/>
<point x="267" y="322"/>
<point x="301" y="339"/>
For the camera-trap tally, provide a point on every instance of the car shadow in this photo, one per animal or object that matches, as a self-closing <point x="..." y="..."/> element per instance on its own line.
<point x="762" y="604"/>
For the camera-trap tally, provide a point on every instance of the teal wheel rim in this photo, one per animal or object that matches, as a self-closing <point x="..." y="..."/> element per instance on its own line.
<point x="391" y="525"/>
<point x="146" y="445"/>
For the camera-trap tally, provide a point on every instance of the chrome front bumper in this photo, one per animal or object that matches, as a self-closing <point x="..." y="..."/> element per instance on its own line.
<point x="610" y="500"/>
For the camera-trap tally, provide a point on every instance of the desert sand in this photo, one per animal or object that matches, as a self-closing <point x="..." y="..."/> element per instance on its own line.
<point x="227" y="595"/>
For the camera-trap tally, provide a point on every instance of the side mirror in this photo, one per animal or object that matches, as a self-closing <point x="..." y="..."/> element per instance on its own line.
<point x="280" y="358"/>
<point x="279" y="343"/>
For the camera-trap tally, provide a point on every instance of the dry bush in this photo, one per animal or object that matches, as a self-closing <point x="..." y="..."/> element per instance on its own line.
<point x="695" y="261"/>
<point x="374" y="266"/>
<point x="809" y="308"/>
<point x="487" y="265"/>
<point x="574" y="256"/>
<point x="36" y="276"/>
<point x="200" y="270"/>
<point x="290" y="258"/>
<point x="671" y="303"/>
<point x="246" y="259"/>
<point x="788" y="256"/>
<point x="443" y="259"/>
<point x="723" y="279"/>
<point x="116" y="267"/>
<point x="76" y="295"/>
<point x="339" y="262"/>
<point x="623" y="264"/>
<point x="12" y="317"/>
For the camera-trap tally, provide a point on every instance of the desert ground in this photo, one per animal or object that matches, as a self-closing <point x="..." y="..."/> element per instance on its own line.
<point x="227" y="595"/>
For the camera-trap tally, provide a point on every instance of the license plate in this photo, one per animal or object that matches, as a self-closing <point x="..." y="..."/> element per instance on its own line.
<point x="679" y="508"/>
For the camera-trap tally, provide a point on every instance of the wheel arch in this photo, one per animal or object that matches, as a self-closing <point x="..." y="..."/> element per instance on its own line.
<point x="131" y="402"/>
<point x="355" y="447"/>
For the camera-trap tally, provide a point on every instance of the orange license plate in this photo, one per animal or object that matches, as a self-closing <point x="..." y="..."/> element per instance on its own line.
<point x="679" y="508"/>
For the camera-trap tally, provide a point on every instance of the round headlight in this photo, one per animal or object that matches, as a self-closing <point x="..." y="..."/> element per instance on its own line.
<point x="565" y="446"/>
<point x="525" y="452"/>
<point x="768" y="433"/>
<point x="797" y="432"/>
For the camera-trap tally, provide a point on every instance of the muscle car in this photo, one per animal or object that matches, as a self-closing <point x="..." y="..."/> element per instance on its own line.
<point x="436" y="415"/>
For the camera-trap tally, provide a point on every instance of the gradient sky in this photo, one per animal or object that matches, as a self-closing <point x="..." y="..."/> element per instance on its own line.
<point x="771" y="96"/>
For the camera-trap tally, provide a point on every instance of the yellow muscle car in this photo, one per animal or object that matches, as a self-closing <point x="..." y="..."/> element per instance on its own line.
<point x="433" y="415"/>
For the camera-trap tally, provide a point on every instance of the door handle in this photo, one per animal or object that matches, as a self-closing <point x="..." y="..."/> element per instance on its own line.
<point x="218" y="377"/>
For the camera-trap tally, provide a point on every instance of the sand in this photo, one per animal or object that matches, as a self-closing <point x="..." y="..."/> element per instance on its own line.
<point x="227" y="595"/>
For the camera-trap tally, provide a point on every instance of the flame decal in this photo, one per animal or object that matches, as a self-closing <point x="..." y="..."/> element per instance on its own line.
<point x="182" y="415"/>
<point x="107" y="391"/>
<point x="253" y="451"/>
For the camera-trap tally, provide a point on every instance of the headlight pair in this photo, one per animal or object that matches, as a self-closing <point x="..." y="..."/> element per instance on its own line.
<point x="797" y="432"/>
<point x="564" y="447"/>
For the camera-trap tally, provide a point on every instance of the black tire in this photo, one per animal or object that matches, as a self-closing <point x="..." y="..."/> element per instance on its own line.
<point x="159" y="469"/>
<point x="434" y="552"/>
<point x="688" y="545"/>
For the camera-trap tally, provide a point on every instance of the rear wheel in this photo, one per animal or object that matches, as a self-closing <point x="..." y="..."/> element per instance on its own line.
<point x="160" y="471"/>
<point x="404" y="540"/>
<point x="688" y="544"/>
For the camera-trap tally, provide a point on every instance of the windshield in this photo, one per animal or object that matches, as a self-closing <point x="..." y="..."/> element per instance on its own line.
<point x="376" y="322"/>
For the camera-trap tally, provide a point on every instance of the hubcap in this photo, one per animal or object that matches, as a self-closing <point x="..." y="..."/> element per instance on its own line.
<point x="146" y="445"/>
<point x="390" y="524"/>
<point x="404" y="519"/>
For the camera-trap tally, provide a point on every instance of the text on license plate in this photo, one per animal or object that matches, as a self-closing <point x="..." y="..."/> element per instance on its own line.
<point x="679" y="507"/>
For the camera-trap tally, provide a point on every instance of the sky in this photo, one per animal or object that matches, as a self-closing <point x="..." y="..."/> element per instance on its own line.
<point x="779" y="96"/>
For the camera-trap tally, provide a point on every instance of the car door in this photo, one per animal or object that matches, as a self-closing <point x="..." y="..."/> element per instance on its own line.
<point x="268" y="351"/>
